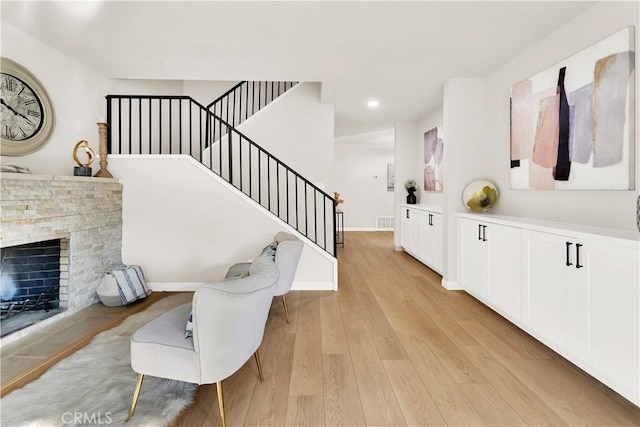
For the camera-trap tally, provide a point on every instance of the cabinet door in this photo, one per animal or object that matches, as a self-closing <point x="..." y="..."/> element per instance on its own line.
<point x="472" y="257"/>
<point x="437" y="242"/>
<point x="505" y="271"/>
<point x="613" y="314"/>
<point x="427" y="239"/>
<point x="416" y="232"/>
<point x="405" y="228"/>
<point x="548" y="300"/>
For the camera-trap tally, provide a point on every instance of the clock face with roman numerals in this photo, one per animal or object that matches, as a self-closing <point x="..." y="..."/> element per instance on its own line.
<point x="21" y="109"/>
<point x="26" y="112"/>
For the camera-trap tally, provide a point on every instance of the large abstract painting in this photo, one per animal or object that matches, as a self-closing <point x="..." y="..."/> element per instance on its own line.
<point x="572" y="124"/>
<point x="433" y="153"/>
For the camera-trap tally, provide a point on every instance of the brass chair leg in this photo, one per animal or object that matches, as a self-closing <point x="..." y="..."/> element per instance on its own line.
<point x="257" y="357"/>
<point x="221" y="403"/>
<point x="286" y="312"/>
<point x="136" y="394"/>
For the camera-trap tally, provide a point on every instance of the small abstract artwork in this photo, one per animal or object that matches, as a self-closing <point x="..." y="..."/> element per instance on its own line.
<point x="391" y="176"/>
<point x="572" y="125"/>
<point x="433" y="154"/>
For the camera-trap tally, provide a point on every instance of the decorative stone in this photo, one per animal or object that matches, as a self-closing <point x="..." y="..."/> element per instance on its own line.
<point x="85" y="212"/>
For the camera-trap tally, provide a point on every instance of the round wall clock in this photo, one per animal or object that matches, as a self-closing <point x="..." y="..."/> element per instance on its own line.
<point x="26" y="111"/>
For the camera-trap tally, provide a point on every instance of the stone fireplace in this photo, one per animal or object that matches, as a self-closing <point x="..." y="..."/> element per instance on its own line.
<point x="72" y="222"/>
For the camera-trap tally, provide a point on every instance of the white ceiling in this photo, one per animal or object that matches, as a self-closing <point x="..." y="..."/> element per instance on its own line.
<point x="398" y="52"/>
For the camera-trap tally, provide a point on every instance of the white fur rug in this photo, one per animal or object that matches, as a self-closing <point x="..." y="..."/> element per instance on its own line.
<point x="95" y="384"/>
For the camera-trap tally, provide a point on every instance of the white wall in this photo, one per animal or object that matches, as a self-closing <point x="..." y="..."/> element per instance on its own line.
<point x="76" y="91"/>
<point x="186" y="226"/>
<point x="465" y="156"/>
<point x="298" y="130"/>
<point x="615" y="209"/>
<point x="360" y="176"/>
<point x="406" y="147"/>
<point x="144" y="87"/>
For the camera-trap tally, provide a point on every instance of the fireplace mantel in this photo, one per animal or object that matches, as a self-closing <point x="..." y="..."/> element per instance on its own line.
<point x="85" y="211"/>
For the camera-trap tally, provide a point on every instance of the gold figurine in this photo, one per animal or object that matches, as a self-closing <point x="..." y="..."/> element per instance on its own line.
<point x="83" y="169"/>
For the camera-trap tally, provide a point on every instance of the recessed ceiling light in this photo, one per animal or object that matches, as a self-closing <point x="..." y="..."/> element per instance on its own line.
<point x="373" y="103"/>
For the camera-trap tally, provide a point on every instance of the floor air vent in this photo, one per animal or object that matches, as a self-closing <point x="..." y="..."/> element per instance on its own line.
<point x="385" y="222"/>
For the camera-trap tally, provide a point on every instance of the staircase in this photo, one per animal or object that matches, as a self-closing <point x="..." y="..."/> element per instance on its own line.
<point x="148" y="124"/>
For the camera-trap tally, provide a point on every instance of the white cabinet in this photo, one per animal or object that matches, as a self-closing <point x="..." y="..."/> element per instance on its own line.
<point x="432" y="232"/>
<point x="575" y="288"/>
<point x="422" y="234"/>
<point x="473" y="256"/>
<point x="551" y="294"/>
<point x="405" y="228"/>
<point x="489" y="264"/>
<point x="410" y="230"/>
<point x="612" y="309"/>
<point x="582" y="297"/>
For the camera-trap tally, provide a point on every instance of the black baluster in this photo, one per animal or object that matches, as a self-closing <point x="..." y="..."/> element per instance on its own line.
<point x="149" y="125"/>
<point x="160" y="124"/>
<point x="269" y="182"/>
<point x="140" y="126"/>
<point x="191" y="129"/>
<point x="170" y="127"/>
<point x="230" y="155"/>
<point x="297" y="214"/>
<point x="120" y="125"/>
<point x="130" y="128"/>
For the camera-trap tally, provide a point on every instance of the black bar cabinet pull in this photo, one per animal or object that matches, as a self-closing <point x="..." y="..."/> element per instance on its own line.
<point x="407" y="213"/>
<point x="479" y="232"/>
<point x="484" y="233"/>
<point x="578" y="246"/>
<point x="567" y="262"/>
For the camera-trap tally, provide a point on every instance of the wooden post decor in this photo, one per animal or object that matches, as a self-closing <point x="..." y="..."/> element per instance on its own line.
<point x="102" y="133"/>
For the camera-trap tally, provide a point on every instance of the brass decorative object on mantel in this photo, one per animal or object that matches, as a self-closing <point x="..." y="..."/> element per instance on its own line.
<point x="102" y="133"/>
<point x="83" y="169"/>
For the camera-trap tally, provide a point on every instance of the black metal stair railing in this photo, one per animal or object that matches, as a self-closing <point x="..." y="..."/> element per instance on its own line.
<point x="148" y="124"/>
<point x="245" y="99"/>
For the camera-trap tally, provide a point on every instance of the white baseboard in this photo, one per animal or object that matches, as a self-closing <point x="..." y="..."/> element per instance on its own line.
<point x="451" y="286"/>
<point x="174" y="286"/>
<point x="367" y="229"/>
<point x="398" y="248"/>
<point x="192" y="286"/>
<point x="313" y="286"/>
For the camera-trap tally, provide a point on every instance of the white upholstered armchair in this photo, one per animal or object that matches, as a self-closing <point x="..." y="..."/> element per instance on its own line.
<point x="229" y="318"/>
<point x="287" y="257"/>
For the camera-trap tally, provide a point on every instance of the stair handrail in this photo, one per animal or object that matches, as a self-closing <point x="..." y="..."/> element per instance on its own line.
<point x="226" y="93"/>
<point x="315" y="187"/>
<point x="235" y="104"/>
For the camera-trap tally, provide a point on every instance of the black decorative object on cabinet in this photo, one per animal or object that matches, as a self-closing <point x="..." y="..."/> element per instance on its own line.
<point x="411" y="198"/>
<point x="411" y="189"/>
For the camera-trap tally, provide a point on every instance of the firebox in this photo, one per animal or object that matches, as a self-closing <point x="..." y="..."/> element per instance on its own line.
<point x="30" y="283"/>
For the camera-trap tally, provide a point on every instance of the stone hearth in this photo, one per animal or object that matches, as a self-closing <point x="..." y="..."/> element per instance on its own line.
<point x="83" y="212"/>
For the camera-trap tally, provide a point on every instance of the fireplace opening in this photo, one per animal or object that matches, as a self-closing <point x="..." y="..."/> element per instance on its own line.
<point x="31" y="283"/>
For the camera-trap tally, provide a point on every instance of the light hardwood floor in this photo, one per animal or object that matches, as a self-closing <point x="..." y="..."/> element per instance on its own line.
<point x="393" y="348"/>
